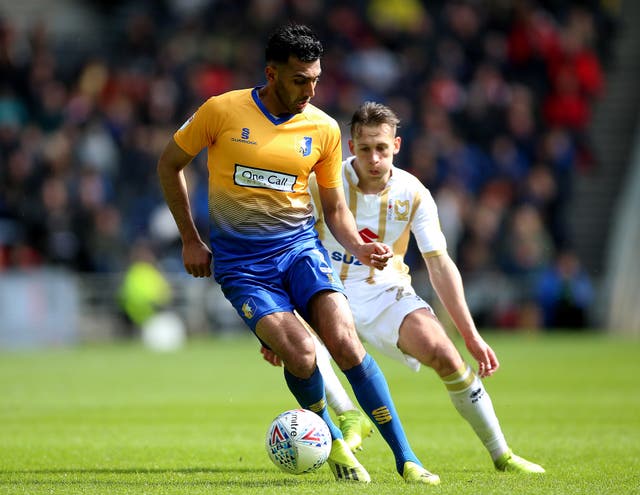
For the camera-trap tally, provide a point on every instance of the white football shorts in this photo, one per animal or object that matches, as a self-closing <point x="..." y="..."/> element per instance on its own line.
<point x="379" y="312"/>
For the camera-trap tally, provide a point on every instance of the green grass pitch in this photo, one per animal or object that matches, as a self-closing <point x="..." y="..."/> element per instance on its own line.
<point x="118" y="419"/>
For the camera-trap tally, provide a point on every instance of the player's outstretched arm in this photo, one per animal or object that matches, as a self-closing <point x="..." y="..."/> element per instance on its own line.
<point x="447" y="282"/>
<point x="342" y="225"/>
<point x="196" y="255"/>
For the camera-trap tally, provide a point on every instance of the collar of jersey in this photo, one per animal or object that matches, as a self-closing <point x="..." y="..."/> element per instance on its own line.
<point x="273" y="118"/>
<point x="351" y="172"/>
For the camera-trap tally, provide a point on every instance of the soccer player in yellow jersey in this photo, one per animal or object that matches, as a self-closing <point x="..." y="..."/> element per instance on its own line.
<point x="263" y="144"/>
<point x="389" y="204"/>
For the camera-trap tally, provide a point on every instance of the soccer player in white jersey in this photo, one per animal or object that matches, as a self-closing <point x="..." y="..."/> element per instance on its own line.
<point x="263" y="143"/>
<point x="389" y="204"/>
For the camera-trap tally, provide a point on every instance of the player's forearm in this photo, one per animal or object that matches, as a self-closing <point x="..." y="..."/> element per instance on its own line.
<point x="447" y="282"/>
<point x="174" y="189"/>
<point x="339" y="218"/>
<point x="343" y="227"/>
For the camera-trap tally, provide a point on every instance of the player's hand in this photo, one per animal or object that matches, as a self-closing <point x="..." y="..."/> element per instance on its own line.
<point x="196" y="257"/>
<point x="375" y="254"/>
<point x="270" y="356"/>
<point x="487" y="360"/>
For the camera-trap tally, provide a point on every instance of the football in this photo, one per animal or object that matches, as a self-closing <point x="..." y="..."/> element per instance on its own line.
<point x="298" y="441"/>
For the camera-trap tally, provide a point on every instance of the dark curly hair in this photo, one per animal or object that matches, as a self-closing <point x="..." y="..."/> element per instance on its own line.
<point x="293" y="39"/>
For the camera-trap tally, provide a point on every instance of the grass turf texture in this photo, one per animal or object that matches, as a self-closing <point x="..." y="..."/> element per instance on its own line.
<point x="119" y="419"/>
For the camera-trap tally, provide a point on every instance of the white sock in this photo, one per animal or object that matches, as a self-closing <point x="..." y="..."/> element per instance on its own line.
<point x="337" y="397"/>
<point x="473" y="403"/>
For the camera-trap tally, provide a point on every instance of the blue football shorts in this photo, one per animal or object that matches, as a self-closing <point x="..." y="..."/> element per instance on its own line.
<point x="280" y="282"/>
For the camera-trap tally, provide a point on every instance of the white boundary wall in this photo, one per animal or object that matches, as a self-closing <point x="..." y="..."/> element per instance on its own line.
<point x="622" y="282"/>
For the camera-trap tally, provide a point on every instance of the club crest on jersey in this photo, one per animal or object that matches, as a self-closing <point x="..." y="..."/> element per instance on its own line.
<point x="249" y="308"/>
<point x="398" y="210"/>
<point x="303" y="146"/>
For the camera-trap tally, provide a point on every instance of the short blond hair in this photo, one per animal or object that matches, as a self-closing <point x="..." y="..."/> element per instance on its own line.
<point x="371" y="113"/>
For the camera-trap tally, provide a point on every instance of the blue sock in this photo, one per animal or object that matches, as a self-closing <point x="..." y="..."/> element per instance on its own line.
<point x="371" y="389"/>
<point x="309" y="392"/>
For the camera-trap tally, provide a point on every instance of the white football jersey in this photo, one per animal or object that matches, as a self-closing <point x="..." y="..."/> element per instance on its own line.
<point x="404" y="206"/>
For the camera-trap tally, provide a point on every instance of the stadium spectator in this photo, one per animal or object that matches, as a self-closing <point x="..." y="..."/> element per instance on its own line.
<point x="471" y="85"/>
<point x="144" y="290"/>
<point x="565" y="292"/>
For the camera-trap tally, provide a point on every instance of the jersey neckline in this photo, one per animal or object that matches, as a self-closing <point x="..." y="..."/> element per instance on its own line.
<point x="273" y="118"/>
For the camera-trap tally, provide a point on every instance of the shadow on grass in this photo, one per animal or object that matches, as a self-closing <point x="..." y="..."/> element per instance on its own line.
<point x="135" y="470"/>
<point x="211" y="476"/>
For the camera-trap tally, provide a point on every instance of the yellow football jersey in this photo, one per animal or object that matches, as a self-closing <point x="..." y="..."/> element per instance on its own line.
<point x="259" y="166"/>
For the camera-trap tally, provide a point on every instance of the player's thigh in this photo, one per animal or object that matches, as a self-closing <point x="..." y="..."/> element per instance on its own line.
<point x="423" y="337"/>
<point x="285" y="335"/>
<point x="330" y="316"/>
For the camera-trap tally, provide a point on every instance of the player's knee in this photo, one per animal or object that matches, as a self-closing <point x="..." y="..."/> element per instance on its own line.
<point x="446" y="367"/>
<point x="300" y="357"/>
<point x="446" y="362"/>
<point x="346" y="349"/>
<point x="441" y="356"/>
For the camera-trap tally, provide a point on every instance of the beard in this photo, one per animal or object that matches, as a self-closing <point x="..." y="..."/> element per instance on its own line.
<point x="290" y="105"/>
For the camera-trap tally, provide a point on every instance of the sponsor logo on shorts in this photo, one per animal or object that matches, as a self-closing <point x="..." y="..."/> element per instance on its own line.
<point x="323" y="266"/>
<point x="267" y="179"/>
<point x="249" y="308"/>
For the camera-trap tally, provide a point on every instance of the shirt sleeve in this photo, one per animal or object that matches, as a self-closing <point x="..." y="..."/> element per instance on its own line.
<point x="329" y="168"/>
<point x="200" y="130"/>
<point x="425" y="225"/>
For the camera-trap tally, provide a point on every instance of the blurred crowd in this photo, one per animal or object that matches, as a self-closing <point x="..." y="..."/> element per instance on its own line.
<point x="494" y="99"/>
